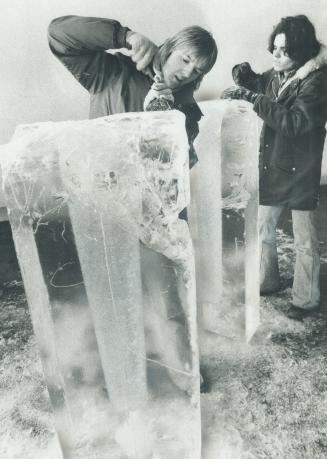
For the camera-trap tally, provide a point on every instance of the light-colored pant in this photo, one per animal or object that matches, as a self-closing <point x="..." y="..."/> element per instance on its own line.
<point x="306" y="292"/>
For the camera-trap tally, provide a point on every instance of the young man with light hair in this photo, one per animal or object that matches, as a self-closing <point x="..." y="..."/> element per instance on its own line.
<point x="148" y="78"/>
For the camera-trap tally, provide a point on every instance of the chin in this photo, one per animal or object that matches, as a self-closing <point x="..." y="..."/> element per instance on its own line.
<point x="173" y="86"/>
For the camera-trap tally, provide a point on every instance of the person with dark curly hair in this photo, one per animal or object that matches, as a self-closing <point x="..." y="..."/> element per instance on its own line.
<point x="291" y="98"/>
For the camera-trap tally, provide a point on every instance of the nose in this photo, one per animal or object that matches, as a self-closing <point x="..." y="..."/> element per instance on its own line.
<point x="276" y="53"/>
<point x="188" y="70"/>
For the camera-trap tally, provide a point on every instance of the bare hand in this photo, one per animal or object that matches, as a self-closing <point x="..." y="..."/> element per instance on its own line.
<point x="142" y="50"/>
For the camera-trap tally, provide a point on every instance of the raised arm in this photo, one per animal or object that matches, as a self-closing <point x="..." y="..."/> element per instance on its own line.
<point x="308" y="111"/>
<point x="80" y="44"/>
<point x="243" y="75"/>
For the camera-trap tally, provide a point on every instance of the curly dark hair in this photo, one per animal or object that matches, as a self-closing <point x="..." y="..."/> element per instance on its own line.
<point x="301" y="40"/>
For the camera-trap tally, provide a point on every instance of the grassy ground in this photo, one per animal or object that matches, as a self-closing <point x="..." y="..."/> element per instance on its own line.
<point x="25" y="414"/>
<point x="270" y="397"/>
<point x="267" y="399"/>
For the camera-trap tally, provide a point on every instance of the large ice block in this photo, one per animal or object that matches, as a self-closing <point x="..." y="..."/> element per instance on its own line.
<point x="223" y="219"/>
<point x="109" y="276"/>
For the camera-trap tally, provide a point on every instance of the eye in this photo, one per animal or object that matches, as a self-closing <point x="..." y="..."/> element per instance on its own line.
<point x="186" y="60"/>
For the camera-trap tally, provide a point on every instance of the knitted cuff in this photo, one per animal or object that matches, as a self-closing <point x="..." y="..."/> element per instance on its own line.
<point x="159" y="104"/>
<point x="252" y="97"/>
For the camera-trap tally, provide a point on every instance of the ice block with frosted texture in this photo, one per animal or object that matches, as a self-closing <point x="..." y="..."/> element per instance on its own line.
<point x="223" y="219"/>
<point x="108" y="270"/>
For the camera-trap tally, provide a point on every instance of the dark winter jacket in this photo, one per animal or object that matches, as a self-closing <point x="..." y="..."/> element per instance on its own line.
<point x="113" y="82"/>
<point x="292" y="139"/>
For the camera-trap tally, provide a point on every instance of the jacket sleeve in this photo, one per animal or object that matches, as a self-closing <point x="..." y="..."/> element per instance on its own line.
<point x="308" y="111"/>
<point x="80" y="44"/>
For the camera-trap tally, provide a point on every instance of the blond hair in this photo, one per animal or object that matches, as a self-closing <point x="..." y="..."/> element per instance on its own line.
<point x="196" y="38"/>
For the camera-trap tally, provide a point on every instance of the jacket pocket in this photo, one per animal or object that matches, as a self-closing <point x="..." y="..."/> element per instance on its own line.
<point x="285" y="163"/>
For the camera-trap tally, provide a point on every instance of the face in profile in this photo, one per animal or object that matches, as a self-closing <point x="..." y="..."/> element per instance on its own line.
<point x="281" y="60"/>
<point x="181" y="67"/>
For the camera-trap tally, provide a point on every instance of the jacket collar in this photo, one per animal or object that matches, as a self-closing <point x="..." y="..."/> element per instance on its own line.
<point x="282" y="87"/>
<point x="185" y="97"/>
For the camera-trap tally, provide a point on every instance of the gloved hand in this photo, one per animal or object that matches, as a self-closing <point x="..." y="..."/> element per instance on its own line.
<point x="242" y="73"/>
<point x="239" y="93"/>
<point x="159" y="97"/>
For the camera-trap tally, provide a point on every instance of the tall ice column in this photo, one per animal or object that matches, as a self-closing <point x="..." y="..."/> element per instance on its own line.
<point x="223" y="222"/>
<point x="108" y="271"/>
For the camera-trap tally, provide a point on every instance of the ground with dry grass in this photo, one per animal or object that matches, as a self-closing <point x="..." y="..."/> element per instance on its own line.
<point x="267" y="399"/>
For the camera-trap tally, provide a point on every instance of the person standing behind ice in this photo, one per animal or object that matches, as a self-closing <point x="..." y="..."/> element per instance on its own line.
<point x="291" y="99"/>
<point x="151" y="78"/>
